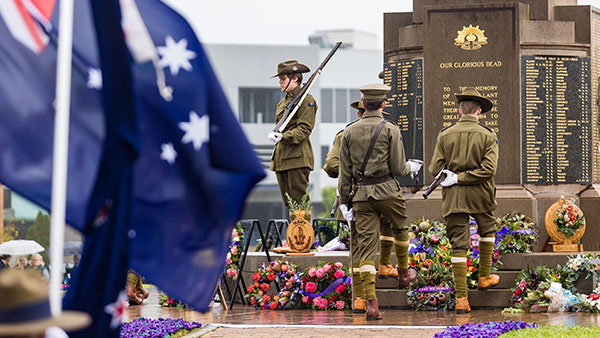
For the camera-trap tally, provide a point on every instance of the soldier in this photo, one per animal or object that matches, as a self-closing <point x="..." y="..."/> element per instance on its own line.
<point x="378" y="193"/>
<point x="331" y="167"/>
<point x="292" y="159"/>
<point x="468" y="153"/>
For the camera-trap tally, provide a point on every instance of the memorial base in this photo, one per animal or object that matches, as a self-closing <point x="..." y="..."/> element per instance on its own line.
<point x="300" y="254"/>
<point x="556" y="247"/>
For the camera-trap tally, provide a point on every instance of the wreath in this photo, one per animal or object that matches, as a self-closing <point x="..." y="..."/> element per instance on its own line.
<point x="166" y="301"/>
<point x="327" y="286"/>
<point x="431" y="298"/>
<point x="232" y="260"/>
<point x="285" y="274"/>
<point x="567" y="219"/>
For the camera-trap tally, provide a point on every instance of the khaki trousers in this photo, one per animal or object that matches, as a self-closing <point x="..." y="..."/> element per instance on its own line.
<point x="459" y="230"/>
<point x="293" y="182"/>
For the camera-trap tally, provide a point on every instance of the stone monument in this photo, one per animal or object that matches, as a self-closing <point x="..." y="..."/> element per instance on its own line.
<point x="538" y="61"/>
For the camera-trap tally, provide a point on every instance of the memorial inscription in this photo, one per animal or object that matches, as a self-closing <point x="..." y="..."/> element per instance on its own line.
<point x="406" y="106"/>
<point x="556" y="119"/>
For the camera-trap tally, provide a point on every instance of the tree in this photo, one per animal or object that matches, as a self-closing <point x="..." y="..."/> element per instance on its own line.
<point x="40" y="232"/>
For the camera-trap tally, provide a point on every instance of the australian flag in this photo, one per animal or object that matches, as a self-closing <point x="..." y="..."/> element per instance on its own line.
<point x="195" y="166"/>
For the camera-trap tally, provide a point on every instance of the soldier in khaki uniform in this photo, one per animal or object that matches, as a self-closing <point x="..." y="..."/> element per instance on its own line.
<point x="293" y="159"/>
<point x="468" y="153"/>
<point x="386" y="240"/>
<point x="378" y="194"/>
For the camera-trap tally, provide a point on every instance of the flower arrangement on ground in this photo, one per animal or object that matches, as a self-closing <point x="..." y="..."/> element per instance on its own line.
<point x="585" y="263"/>
<point x="157" y="328"/>
<point x="232" y="259"/>
<point x="567" y="219"/>
<point x="282" y="272"/>
<point x="429" y="254"/>
<point x="485" y="329"/>
<point x="327" y="286"/>
<point x="591" y="302"/>
<point x="166" y="301"/>
<point x="516" y="233"/>
<point x="528" y="292"/>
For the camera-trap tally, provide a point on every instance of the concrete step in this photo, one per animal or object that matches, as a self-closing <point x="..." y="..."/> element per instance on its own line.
<point x="507" y="281"/>
<point x="493" y="298"/>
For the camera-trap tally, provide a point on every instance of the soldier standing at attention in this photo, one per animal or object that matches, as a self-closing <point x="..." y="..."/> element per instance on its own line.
<point x="332" y="168"/>
<point x="293" y="159"/>
<point x="468" y="153"/>
<point x="378" y="193"/>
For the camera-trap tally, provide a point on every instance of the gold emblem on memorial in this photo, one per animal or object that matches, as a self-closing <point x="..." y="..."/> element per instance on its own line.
<point x="300" y="234"/>
<point x="470" y="38"/>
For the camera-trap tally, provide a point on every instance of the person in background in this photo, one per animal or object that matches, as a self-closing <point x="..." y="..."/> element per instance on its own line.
<point x="37" y="263"/>
<point x="4" y="261"/>
<point x="23" y="263"/>
<point x="135" y="290"/>
<point x="25" y="309"/>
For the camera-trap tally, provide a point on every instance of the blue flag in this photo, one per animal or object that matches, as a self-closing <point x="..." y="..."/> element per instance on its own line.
<point x="196" y="166"/>
<point x="97" y="285"/>
<point x="27" y="90"/>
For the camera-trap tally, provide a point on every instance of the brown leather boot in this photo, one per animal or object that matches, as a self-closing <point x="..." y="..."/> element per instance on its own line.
<point x="405" y="277"/>
<point x="386" y="271"/>
<point x="462" y="305"/>
<point x="373" y="310"/>
<point x="483" y="283"/>
<point x="359" y="305"/>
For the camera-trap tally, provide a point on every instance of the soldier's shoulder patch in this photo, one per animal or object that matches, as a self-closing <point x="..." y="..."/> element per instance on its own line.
<point x="310" y="104"/>
<point x="392" y="122"/>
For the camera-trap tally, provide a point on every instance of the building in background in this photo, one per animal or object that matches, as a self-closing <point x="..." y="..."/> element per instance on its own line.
<point x="245" y="73"/>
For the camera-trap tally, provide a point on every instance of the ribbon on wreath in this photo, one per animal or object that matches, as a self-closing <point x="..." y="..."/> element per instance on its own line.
<point x="330" y="288"/>
<point x="420" y="247"/>
<point x="433" y="289"/>
<point x="505" y="231"/>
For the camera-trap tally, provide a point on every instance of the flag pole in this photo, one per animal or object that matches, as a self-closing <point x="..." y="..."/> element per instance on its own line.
<point x="61" y="143"/>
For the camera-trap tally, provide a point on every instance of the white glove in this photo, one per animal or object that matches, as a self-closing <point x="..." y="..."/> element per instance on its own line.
<point x="415" y="166"/>
<point x="451" y="178"/>
<point x="275" y="136"/>
<point x="348" y="214"/>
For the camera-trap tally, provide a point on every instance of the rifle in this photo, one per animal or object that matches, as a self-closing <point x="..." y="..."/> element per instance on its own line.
<point x="438" y="179"/>
<point x="336" y="204"/>
<point x="291" y="109"/>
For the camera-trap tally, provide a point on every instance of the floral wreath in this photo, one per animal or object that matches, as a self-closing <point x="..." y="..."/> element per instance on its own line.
<point x="232" y="260"/>
<point x="327" y="286"/>
<point x="284" y="273"/>
<point x="166" y="301"/>
<point x="431" y="298"/>
<point x="567" y="220"/>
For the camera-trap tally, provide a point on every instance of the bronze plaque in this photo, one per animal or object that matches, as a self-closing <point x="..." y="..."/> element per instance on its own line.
<point x="466" y="46"/>
<point x="556" y="120"/>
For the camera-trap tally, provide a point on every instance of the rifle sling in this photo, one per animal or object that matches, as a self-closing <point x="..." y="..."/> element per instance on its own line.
<point x="371" y="146"/>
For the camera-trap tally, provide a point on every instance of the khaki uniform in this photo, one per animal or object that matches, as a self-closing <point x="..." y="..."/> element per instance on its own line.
<point x="471" y="151"/>
<point x="292" y="159"/>
<point x="373" y="201"/>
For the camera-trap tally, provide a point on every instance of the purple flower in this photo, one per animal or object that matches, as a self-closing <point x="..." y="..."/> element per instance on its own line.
<point x="482" y="330"/>
<point x="155" y="328"/>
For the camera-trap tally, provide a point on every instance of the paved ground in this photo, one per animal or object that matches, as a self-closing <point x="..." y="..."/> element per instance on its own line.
<point x="245" y="321"/>
<point x="318" y="333"/>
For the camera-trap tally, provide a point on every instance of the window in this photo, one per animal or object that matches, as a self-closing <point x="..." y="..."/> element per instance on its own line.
<point x="257" y="105"/>
<point x="335" y="105"/>
<point x="324" y="151"/>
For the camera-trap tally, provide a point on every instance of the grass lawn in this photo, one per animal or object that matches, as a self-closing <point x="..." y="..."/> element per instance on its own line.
<point x="551" y="331"/>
